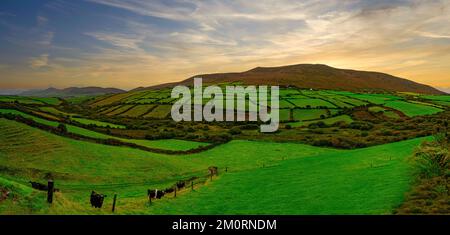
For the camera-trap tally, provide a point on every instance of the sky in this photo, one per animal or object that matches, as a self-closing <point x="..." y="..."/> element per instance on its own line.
<point x="132" y="43"/>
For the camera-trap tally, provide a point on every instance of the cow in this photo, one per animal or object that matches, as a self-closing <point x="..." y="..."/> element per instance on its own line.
<point x="155" y="193"/>
<point x="41" y="187"/>
<point x="97" y="199"/>
<point x="213" y="170"/>
<point x="181" y="184"/>
<point x="169" y="190"/>
<point x="38" y="186"/>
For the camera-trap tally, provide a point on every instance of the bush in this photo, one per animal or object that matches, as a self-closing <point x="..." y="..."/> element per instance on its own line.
<point x="62" y="128"/>
<point x="364" y="126"/>
<point x="235" y="130"/>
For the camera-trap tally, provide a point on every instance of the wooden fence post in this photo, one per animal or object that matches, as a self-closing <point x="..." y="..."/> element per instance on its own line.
<point x="50" y="189"/>
<point x="175" y="192"/>
<point x="192" y="185"/>
<point x="149" y="197"/>
<point x="114" y="203"/>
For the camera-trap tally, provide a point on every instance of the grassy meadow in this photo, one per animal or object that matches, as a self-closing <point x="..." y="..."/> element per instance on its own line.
<point x="336" y="152"/>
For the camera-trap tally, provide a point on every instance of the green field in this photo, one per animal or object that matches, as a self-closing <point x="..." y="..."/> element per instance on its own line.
<point x="329" y="121"/>
<point x="161" y="111"/>
<point x="411" y="110"/>
<point x="313" y="103"/>
<point x="55" y="111"/>
<point x="86" y="121"/>
<point x="169" y="144"/>
<point x="384" y="111"/>
<point x="267" y="173"/>
<point x="264" y="178"/>
<point x="138" y="110"/>
<point x="309" y="114"/>
<point x="34" y="118"/>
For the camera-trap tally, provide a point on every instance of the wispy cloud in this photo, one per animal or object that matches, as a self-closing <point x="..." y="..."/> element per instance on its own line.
<point x="39" y="62"/>
<point x="149" y="42"/>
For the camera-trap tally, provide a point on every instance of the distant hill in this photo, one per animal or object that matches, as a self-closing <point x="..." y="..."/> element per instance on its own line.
<point x="316" y="76"/>
<point x="71" y="91"/>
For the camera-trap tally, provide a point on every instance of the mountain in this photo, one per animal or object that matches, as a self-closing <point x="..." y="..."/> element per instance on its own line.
<point x="71" y="91"/>
<point x="316" y="76"/>
<point x="444" y="89"/>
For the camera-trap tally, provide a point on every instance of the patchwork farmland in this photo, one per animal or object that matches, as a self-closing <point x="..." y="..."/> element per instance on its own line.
<point x="342" y="152"/>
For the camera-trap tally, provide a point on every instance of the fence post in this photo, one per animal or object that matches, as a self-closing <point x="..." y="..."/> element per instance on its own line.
<point x="149" y="197"/>
<point x="50" y="189"/>
<point x="175" y="192"/>
<point x="114" y="203"/>
<point x="192" y="185"/>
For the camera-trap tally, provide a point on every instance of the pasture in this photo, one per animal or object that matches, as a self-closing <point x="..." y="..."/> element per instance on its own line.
<point x="411" y="110"/>
<point x="86" y="121"/>
<point x="263" y="177"/>
<point x="329" y="121"/>
<point x="165" y="144"/>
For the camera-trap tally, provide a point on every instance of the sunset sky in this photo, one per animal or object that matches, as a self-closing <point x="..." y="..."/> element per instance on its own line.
<point x="132" y="43"/>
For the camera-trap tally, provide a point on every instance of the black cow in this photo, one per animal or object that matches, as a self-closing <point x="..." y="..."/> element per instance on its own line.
<point x="97" y="199"/>
<point x="169" y="190"/>
<point x="155" y="193"/>
<point x="181" y="184"/>
<point x="38" y="186"/>
<point x="41" y="187"/>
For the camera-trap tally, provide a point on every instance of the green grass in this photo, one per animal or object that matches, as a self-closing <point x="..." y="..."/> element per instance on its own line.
<point x="96" y="123"/>
<point x="48" y="100"/>
<point x="22" y="199"/>
<point x="22" y="100"/>
<point x="285" y="114"/>
<point x="411" y="110"/>
<point x="167" y="144"/>
<point x="376" y="109"/>
<point x="55" y="111"/>
<point x="310" y="180"/>
<point x="313" y="103"/>
<point x="309" y="114"/>
<point x="328" y="121"/>
<point x="372" y="98"/>
<point x="36" y="119"/>
<point x="79" y="99"/>
<point x="365" y="181"/>
<point x="138" y="110"/>
<point x="437" y="97"/>
<point x="386" y="112"/>
<point x="161" y="111"/>
<point x="120" y="110"/>
<point x="285" y="104"/>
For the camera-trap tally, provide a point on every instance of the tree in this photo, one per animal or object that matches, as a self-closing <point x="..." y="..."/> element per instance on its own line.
<point x="62" y="128"/>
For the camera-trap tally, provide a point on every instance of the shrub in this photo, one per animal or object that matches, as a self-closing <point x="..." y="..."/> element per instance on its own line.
<point x="364" y="126"/>
<point x="62" y="128"/>
<point x="235" y="130"/>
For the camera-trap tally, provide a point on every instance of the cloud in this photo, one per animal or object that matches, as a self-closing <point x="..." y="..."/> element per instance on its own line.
<point x="168" y="40"/>
<point x="41" y="20"/>
<point x="46" y="38"/>
<point x="39" y="62"/>
<point x="432" y="35"/>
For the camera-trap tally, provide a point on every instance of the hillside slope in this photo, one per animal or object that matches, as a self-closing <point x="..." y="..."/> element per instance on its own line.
<point x="315" y="76"/>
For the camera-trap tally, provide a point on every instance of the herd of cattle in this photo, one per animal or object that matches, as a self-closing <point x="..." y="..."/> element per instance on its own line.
<point x="97" y="199"/>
